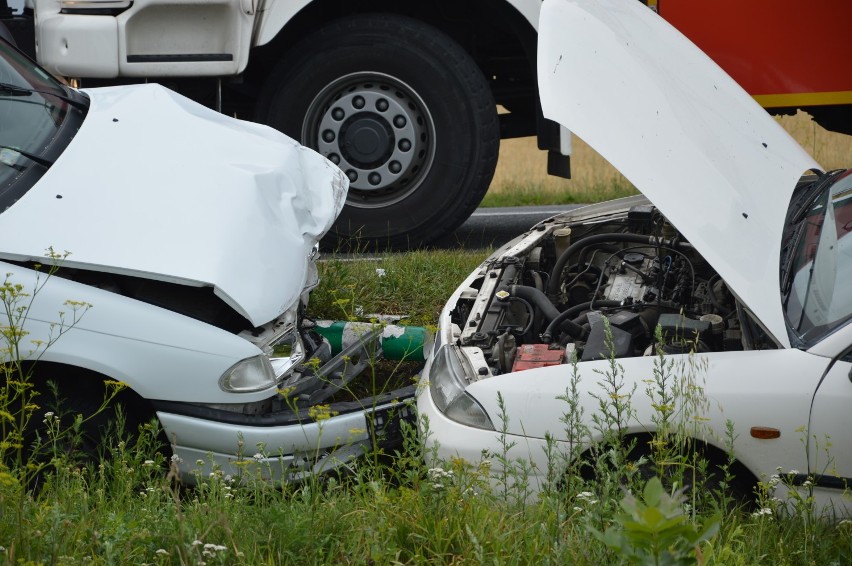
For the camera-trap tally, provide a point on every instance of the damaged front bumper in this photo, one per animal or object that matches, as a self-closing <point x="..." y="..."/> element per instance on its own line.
<point x="305" y="429"/>
<point x="284" y="445"/>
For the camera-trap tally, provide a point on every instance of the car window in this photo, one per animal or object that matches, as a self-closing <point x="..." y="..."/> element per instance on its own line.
<point x="820" y="299"/>
<point x="34" y="110"/>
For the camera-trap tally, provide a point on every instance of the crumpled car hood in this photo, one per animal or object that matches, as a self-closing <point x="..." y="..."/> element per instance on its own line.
<point x="157" y="186"/>
<point x="681" y="130"/>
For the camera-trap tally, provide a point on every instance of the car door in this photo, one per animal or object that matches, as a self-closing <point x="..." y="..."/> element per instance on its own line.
<point x="829" y="453"/>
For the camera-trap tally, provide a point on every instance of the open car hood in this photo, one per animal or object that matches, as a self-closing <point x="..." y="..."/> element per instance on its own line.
<point x="681" y="130"/>
<point x="156" y="186"/>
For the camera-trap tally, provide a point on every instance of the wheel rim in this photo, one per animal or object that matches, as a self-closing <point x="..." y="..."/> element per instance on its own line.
<point x="378" y="131"/>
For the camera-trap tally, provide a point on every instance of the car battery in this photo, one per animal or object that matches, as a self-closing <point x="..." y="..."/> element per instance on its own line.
<point x="531" y="356"/>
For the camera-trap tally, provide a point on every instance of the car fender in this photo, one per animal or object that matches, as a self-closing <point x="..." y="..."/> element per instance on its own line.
<point x="766" y="389"/>
<point x="158" y="353"/>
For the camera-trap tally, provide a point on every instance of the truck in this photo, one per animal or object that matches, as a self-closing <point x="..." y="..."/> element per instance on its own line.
<point x="404" y="96"/>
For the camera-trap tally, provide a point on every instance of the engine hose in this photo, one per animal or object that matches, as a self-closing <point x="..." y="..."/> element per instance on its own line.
<point x="571" y="326"/>
<point x="556" y="274"/>
<point x="535" y="297"/>
<point x="714" y="300"/>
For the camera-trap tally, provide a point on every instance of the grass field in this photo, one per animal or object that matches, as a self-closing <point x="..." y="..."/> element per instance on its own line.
<point x="521" y="177"/>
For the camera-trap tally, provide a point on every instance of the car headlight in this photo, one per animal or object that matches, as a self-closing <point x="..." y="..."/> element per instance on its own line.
<point x="251" y="374"/>
<point x="447" y="385"/>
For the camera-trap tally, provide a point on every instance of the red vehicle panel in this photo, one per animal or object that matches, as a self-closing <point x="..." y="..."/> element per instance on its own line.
<point x="785" y="53"/>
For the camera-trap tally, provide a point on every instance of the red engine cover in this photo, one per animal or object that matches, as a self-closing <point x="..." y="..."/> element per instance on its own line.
<point x="531" y="356"/>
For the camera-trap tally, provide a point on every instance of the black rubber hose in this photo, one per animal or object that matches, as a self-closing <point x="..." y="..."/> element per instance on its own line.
<point x="571" y="326"/>
<point x="714" y="300"/>
<point x="536" y="297"/>
<point x="556" y="273"/>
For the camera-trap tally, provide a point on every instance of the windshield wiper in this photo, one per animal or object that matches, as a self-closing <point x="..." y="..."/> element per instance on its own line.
<point x="46" y="163"/>
<point x="787" y="267"/>
<point x="17" y="90"/>
<point x="811" y="196"/>
<point x="796" y="220"/>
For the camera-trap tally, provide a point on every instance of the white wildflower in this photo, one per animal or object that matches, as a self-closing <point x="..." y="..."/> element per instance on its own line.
<point x="177" y="459"/>
<point x="148" y="463"/>
<point x="380" y="272"/>
<point x="162" y="551"/>
<point x="258" y="457"/>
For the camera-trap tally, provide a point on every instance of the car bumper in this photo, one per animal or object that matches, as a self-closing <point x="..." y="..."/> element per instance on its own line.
<point x="283" y="446"/>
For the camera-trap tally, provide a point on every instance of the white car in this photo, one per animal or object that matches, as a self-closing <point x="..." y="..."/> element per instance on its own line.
<point x="193" y="236"/>
<point x="731" y="251"/>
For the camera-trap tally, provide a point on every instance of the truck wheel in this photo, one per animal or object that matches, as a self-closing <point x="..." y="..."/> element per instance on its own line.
<point x="403" y="110"/>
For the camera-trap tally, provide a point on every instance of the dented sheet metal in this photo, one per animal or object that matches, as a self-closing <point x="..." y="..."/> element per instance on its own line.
<point x="180" y="209"/>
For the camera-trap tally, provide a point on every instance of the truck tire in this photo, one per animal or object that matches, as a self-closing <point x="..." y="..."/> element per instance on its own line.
<point x="404" y="111"/>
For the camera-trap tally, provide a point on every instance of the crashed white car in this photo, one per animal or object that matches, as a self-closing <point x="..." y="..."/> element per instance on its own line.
<point x="731" y="252"/>
<point x="193" y="236"/>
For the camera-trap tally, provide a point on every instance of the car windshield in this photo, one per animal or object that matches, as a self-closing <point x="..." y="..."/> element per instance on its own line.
<point x="38" y="117"/>
<point x="820" y="298"/>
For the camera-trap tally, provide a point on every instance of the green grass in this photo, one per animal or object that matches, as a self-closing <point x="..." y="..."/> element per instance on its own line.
<point x="414" y="284"/>
<point x="128" y="511"/>
<point x="536" y="194"/>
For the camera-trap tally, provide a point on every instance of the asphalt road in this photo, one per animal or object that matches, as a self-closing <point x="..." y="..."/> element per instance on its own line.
<point x="495" y="226"/>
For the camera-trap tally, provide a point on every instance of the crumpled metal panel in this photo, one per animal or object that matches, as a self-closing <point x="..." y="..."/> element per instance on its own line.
<point x="157" y="186"/>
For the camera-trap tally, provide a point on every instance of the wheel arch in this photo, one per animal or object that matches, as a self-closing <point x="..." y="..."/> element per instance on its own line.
<point x="87" y="382"/>
<point x="496" y="34"/>
<point x="745" y="480"/>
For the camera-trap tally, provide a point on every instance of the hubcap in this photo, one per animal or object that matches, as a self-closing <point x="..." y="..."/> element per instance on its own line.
<point x="378" y="131"/>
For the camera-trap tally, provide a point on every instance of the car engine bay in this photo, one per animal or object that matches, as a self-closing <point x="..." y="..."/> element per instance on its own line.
<point x="619" y="285"/>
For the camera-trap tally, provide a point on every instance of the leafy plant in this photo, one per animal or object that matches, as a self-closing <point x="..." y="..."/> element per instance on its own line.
<point x="655" y="531"/>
